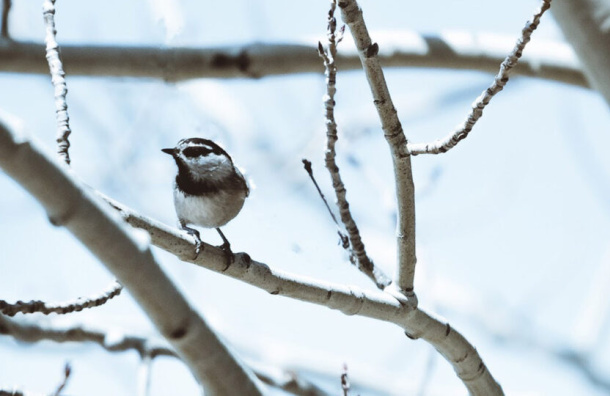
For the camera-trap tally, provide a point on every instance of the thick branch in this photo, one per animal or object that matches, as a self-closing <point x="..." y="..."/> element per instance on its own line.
<point x="127" y="255"/>
<point x="405" y="193"/>
<point x="471" y="52"/>
<point x="350" y="300"/>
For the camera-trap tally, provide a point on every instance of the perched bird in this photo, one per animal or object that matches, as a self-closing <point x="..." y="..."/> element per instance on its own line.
<point x="209" y="190"/>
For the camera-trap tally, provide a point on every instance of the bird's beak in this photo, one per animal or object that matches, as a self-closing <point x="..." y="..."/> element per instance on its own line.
<point x="170" y="151"/>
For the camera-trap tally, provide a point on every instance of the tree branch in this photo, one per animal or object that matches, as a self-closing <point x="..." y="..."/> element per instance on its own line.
<point x="471" y="52"/>
<point x="358" y="251"/>
<point x="405" y="192"/>
<point x="65" y="307"/>
<point x="112" y="241"/>
<point x="447" y="143"/>
<point x="348" y="299"/>
<point x="59" y="82"/>
<point x="584" y="24"/>
<point x="6" y="9"/>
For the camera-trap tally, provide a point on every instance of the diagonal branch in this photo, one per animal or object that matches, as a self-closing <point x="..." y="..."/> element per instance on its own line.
<point x="447" y="143"/>
<point x="65" y="307"/>
<point x="348" y="299"/>
<point x="358" y="254"/>
<point x="405" y="192"/>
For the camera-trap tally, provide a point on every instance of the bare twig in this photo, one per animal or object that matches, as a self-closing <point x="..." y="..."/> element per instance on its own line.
<point x="450" y="141"/>
<point x="290" y="382"/>
<point x="30" y="332"/>
<point x="359" y="256"/>
<point x="59" y="82"/>
<point x="6" y="9"/>
<point x="64" y="382"/>
<point x="345" y="385"/>
<point x="77" y="305"/>
<point x="342" y="237"/>
<point x="144" y="371"/>
<point x="405" y="193"/>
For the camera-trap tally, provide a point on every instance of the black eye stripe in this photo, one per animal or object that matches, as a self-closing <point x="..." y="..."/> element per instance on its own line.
<point x="196" y="151"/>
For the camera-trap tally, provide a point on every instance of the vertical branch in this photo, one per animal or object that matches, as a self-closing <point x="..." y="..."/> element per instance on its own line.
<point x="6" y="9"/>
<point x="405" y="194"/>
<point x="359" y="256"/>
<point x="59" y="82"/>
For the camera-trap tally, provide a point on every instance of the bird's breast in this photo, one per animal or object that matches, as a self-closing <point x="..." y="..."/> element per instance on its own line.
<point x="209" y="210"/>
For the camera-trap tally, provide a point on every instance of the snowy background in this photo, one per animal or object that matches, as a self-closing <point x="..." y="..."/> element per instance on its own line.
<point x="513" y="231"/>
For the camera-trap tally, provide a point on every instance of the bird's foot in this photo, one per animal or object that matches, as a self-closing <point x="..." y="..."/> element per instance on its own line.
<point x="226" y="248"/>
<point x="198" y="242"/>
<point x="229" y="258"/>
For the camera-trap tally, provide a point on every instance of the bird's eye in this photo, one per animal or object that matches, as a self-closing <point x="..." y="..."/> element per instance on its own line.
<point x="196" y="151"/>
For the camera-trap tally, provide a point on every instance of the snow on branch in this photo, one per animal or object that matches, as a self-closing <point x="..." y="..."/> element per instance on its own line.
<point x="113" y="290"/>
<point x="447" y="143"/>
<point x="127" y="255"/>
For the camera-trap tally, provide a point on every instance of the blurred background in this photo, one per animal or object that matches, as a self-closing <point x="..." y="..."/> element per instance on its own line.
<point x="513" y="224"/>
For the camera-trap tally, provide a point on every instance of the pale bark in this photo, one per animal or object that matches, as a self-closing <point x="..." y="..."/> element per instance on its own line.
<point x="461" y="51"/>
<point x="586" y="26"/>
<point x="350" y="300"/>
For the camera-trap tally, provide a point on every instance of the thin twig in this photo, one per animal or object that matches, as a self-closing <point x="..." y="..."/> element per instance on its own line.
<point x="6" y="8"/>
<point x="144" y="371"/>
<point x="447" y="143"/>
<point x="30" y="333"/>
<point x="345" y="385"/>
<point x="33" y="332"/>
<point x="359" y="256"/>
<point x="342" y="237"/>
<point x="394" y="134"/>
<point x="61" y="308"/>
<point x="64" y="382"/>
<point x="59" y="82"/>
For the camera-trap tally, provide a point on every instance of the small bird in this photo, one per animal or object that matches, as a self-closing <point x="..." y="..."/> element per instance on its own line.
<point x="209" y="190"/>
